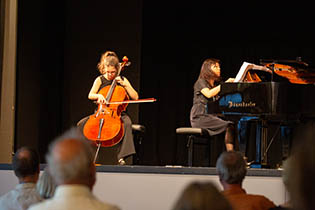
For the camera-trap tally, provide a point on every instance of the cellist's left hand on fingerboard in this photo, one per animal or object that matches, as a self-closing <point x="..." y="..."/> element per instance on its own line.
<point x="121" y="81"/>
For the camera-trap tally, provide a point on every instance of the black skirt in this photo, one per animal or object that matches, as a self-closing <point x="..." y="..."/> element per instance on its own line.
<point x="212" y="123"/>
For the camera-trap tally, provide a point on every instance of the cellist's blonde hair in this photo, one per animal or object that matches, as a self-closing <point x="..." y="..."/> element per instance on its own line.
<point x="109" y="58"/>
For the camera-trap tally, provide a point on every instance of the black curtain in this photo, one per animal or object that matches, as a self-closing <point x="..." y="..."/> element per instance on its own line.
<point x="178" y="37"/>
<point x="60" y="42"/>
<point x="59" y="46"/>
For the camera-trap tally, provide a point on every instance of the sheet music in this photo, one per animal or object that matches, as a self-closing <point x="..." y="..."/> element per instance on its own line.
<point x="248" y="66"/>
<point x="242" y="72"/>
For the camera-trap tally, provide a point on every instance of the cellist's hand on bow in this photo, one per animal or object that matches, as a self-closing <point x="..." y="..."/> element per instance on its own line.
<point x="101" y="99"/>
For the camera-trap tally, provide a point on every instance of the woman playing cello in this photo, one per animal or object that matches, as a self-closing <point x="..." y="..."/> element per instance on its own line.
<point x="109" y="67"/>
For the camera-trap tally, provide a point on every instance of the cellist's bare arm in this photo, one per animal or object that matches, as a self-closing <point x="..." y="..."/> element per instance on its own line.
<point x="93" y="95"/>
<point x="128" y="87"/>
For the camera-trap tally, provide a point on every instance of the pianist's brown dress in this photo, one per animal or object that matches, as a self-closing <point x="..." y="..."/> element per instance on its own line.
<point x="200" y="115"/>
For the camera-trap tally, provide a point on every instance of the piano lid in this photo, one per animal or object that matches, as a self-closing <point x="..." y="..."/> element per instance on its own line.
<point x="294" y="63"/>
<point x="298" y="72"/>
<point x="273" y="89"/>
<point x="252" y="73"/>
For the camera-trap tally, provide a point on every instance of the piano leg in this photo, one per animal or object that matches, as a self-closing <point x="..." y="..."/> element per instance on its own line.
<point x="286" y="136"/>
<point x="263" y="146"/>
<point x="258" y="143"/>
<point x="267" y="139"/>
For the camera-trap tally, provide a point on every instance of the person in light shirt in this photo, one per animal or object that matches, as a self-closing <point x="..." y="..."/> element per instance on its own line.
<point x="70" y="163"/>
<point x="25" y="165"/>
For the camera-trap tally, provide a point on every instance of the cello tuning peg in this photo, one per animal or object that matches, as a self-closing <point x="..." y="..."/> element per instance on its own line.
<point x="127" y="64"/>
<point x="125" y="59"/>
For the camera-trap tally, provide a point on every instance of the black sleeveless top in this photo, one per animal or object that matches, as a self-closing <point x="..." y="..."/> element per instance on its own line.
<point x="106" y="82"/>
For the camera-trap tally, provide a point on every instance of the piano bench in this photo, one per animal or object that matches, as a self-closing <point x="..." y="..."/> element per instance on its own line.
<point x="192" y="135"/>
<point x="138" y="136"/>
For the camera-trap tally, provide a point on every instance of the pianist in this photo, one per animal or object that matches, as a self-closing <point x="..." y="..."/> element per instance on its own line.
<point x="207" y="88"/>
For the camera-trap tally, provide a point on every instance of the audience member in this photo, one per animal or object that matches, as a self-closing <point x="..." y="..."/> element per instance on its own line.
<point x="46" y="185"/>
<point x="70" y="163"/>
<point x="26" y="167"/>
<point x="301" y="173"/>
<point x="201" y="196"/>
<point x="285" y="179"/>
<point x="231" y="168"/>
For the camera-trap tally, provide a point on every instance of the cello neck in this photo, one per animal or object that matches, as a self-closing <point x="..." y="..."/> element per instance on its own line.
<point x="111" y="90"/>
<point x="114" y="83"/>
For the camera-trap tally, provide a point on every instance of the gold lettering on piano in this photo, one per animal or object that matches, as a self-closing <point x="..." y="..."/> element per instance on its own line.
<point x="241" y="104"/>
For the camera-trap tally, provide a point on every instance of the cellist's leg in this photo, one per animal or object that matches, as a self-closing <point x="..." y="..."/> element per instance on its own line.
<point x="127" y="147"/>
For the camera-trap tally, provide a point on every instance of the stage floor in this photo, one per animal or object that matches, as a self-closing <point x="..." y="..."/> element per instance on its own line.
<point x="157" y="187"/>
<point x="184" y="170"/>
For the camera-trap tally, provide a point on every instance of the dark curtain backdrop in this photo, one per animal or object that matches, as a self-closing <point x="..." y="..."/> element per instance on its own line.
<point x="176" y="40"/>
<point x="59" y="44"/>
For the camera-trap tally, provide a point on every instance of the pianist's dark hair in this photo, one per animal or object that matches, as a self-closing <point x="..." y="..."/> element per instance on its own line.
<point x="206" y="72"/>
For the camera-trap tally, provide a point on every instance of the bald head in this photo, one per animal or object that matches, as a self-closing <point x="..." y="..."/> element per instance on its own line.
<point x="70" y="159"/>
<point x="67" y="150"/>
<point x="25" y="162"/>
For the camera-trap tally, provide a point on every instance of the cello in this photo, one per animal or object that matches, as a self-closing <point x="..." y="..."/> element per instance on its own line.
<point x="105" y="127"/>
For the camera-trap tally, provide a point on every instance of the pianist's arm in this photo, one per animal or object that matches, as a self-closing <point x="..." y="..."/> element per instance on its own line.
<point x="209" y="93"/>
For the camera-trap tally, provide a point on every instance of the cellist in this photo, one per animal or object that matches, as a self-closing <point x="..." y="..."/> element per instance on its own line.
<point x="108" y="67"/>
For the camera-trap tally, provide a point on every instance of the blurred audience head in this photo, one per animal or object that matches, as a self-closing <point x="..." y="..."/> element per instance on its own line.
<point x="70" y="159"/>
<point x="201" y="196"/>
<point x="301" y="172"/>
<point x="285" y="172"/>
<point x="25" y="164"/>
<point x="46" y="185"/>
<point x="231" y="167"/>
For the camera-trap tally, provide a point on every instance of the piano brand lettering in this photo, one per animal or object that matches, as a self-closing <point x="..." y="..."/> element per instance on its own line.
<point x="235" y="98"/>
<point x="232" y="104"/>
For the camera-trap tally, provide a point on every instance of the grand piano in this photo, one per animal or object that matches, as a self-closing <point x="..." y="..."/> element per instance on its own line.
<point x="275" y="91"/>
